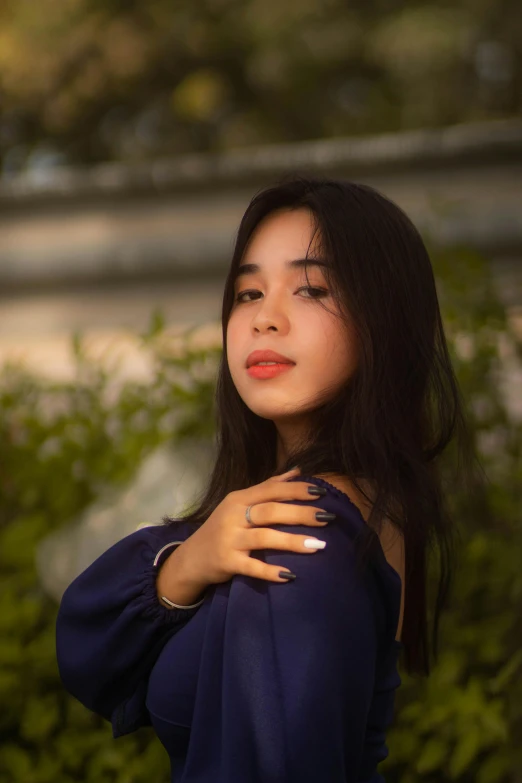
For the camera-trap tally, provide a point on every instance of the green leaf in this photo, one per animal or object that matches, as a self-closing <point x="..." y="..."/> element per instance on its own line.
<point x="156" y="325"/>
<point x="494" y="769"/>
<point x="39" y="719"/>
<point x="16" y="761"/>
<point x="77" y="346"/>
<point x="506" y="673"/>
<point x="467" y="747"/>
<point x="432" y="756"/>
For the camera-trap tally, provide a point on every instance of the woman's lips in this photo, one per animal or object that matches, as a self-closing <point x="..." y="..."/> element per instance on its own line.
<point x="265" y="371"/>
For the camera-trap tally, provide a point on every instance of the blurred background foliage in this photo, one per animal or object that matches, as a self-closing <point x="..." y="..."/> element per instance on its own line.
<point x="62" y="443"/>
<point x="84" y="81"/>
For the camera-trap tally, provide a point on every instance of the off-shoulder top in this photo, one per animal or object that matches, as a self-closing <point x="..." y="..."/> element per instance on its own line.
<point x="264" y="682"/>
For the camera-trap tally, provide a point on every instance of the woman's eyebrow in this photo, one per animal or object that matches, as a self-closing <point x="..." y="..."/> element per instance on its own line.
<point x="296" y="263"/>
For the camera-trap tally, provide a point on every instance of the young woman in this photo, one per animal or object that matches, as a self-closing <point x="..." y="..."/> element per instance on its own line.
<point x="253" y="661"/>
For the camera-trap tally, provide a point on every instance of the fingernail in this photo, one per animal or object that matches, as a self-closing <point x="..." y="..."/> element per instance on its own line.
<point x="314" y="543"/>
<point x="286" y="575"/>
<point x="316" y="491"/>
<point x="325" y="515"/>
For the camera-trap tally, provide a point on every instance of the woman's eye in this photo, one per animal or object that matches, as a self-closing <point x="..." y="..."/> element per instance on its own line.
<point x="319" y="291"/>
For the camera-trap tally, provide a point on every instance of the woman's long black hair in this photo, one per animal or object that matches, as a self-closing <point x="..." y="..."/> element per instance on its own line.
<point x="390" y="423"/>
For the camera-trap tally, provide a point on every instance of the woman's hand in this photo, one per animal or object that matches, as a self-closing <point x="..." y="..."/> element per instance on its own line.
<point x="221" y="547"/>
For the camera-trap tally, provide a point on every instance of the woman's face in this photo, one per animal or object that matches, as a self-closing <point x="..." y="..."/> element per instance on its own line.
<point x="281" y="314"/>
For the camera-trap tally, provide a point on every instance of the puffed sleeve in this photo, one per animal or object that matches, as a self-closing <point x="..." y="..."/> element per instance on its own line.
<point x="289" y="672"/>
<point x="111" y="627"/>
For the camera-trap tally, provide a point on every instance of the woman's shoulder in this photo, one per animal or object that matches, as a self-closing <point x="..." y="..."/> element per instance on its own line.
<point x="391" y="537"/>
<point x="345" y="485"/>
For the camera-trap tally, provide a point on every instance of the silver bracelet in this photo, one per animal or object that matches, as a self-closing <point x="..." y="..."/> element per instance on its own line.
<point x="170" y="603"/>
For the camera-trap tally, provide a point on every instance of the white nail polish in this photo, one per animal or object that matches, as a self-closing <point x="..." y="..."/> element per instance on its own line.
<point x="314" y="543"/>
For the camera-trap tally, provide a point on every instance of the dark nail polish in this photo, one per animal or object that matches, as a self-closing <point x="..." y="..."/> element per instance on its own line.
<point x="287" y="575"/>
<point x="317" y="491"/>
<point x="325" y="515"/>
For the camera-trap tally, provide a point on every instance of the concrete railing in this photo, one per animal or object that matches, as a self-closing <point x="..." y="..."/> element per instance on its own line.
<point x="176" y="218"/>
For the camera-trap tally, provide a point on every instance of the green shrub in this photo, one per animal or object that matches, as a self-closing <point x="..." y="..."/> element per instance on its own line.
<point x="60" y="445"/>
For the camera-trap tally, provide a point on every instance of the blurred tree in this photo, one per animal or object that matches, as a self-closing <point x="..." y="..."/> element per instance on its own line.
<point x="86" y="80"/>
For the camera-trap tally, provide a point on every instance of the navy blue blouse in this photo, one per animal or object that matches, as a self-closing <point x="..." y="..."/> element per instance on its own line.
<point x="264" y="682"/>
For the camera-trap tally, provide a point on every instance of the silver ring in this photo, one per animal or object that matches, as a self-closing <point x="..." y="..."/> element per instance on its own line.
<point x="247" y="514"/>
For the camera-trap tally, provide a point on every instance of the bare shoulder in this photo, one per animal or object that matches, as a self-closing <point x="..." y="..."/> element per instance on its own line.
<point x="345" y="485"/>
<point x="391" y="537"/>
